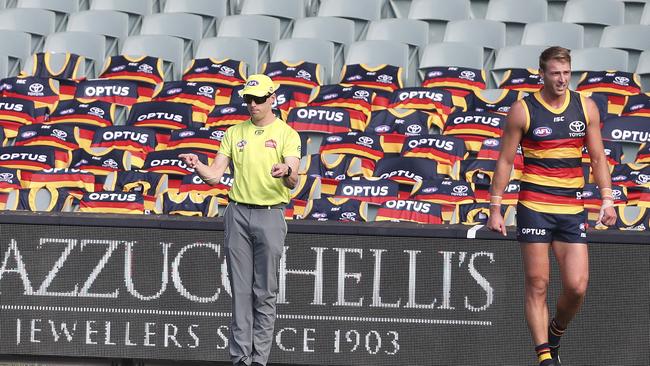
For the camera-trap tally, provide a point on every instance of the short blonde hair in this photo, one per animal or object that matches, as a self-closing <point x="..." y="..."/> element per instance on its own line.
<point x="554" y="53"/>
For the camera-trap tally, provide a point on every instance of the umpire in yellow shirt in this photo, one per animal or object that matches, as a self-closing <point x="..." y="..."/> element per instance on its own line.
<point x="265" y="153"/>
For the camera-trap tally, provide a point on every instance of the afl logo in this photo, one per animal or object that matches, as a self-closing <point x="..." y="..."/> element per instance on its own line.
<point x="587" y="194"/>
<point x="365" y="140"/>
<point x="274" y="73"/>
<point x="36" y="88"/>
<point x="636" y="106"/>
<point x="414" y="129"/>
<point x="491" y="142"/>
<point x="67" y="111"/>
<point x="228" y="110"/>
<point x="334" y="138"/>
<point x="619" y="178"/>
<point x="118" y="68"/>
<point x="174" y="91"/>
<point x="430" y="190"/>
<point x="186" y="134"/>
<point x="28" y="134"/>
<point x="434" y="74"/>
<point x="542" y="131"/>
<point x="252" y="83"/>
<point x="460" y="190"/>
<point x="577" y="126"/>
<point x="382" y="128"/>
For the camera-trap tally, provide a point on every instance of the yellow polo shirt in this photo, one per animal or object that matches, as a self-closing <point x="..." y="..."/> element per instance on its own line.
<point x="253" y="151"/>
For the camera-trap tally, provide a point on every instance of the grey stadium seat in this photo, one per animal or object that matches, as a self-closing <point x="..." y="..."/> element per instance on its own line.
<point x="452" y="54"/>
<point x="566" y="35"/>
<point x="60" y="7"/>
<point x="633" y="10"/>
<point x="361" y="11"/>
<point x="489" y="34"/>
<point x="340" y="31"/>
<point x="412" y="32"/>
<point x="136" y="9"/>
<point x="524" y="56"/>
<point x="555" y="10"/>
<point x="113" y="25"/>
<point x="188" y="27"/>
<point x="285" y="10"/>
<point x="16" y="45"/>
<point x="90" y="45"/>
<point x="37" y="22"/>
<point x="516" y="14"/>
<point x="375" y="53"/>
<point x="237" y="48"/>
<point x="209" y="10"/>
<point x="643" y="69"/>
<point x="634" y="38"/>
<point x="594" y="15"/>
<point x="645" y="16"/>
<point x="261" y="28"/>
<point x="312" y="50"/>
<point x="597" y="59"/>
<point x="437" y="13"/>
<point x="168" y="48"/>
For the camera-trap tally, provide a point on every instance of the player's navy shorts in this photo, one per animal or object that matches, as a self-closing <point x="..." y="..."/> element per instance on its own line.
<point x="540" y="227"/>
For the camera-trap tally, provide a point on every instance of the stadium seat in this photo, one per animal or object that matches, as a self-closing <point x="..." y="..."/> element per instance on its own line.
<point x="594" y="15"/>
<point x="188" y="27"/>
<point x="236" y="48"/>
<point x="452" y="54"/>
<point x="567" y="35"/>
<point x="168" y="48"/>
<point x="312" y="50"/>
<point x="489" y="34"/>
<point x="113" y="25"/>
<point x="437" y="13"/>
<point x="285" y="10"/>
<point x="340" y="31"/>
<point x="633" y="10"/>
<point x="261" y="28"/>
<point x="361" y="11"/>
<point x="60" y="7"/>
<point x="633" y="38"/>
<point x="90" y="45"/>
<point x="16" y="45"/>
<point x="375" y="53"/>
<point x="645" y="16"/>
<point x="555" y="10"/>
<point x="209" y="10"/>
<point x="597" y="59"/>
<point x="643" y="69"/>
<point x="524" y="56"/>
<point x="37" y="22"/>
<point x="412" y="32"/>
<point x="4" y="65"/>
<point x="135" y="9"/>
<point x="516" y="14"/>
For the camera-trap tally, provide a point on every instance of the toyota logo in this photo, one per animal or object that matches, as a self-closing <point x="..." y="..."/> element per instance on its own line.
<point x="577" y="126"/>
<point x="460" y="190"/>
<point x="97" y="111"/>
<point x="217" y="135"/>
<point x="206" y="89"/>
<point x="36" y="88"/>
<point x="621" y="80"/>
<point x="643" y="178"/>
<point x="366" y="140"/>
<point x="361" y="94"/>
<point x="466" y="74"/>
<point x="414" y="129"/>
<point x="6" y="177"/>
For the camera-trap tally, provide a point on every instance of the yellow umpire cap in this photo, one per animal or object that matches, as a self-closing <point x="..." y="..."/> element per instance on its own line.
<point x="258" y="85"/>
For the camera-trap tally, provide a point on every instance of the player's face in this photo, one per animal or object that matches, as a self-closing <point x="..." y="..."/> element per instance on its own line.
<point x="556" y="77"/>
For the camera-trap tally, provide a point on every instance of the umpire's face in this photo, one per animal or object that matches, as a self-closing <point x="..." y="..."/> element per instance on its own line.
<point x="260" y="107"/>
<point x="556" y="77"/>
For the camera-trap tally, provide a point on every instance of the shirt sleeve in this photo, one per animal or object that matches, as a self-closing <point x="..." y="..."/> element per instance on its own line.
<point x="292" y="144"/>
<point x="226" y="145"/>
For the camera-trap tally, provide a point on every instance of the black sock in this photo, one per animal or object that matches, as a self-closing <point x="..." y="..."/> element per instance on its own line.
<point x="555" y="333"/>
<point x="544" y="354"/>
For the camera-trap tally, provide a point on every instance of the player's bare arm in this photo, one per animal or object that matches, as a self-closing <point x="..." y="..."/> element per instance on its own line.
<point x="210" y="174"/>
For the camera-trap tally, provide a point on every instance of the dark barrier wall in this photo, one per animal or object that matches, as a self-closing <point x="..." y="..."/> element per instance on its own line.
<point x="349" y="294"/>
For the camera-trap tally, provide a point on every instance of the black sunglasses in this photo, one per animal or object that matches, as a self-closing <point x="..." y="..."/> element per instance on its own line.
<point x="258" y="100"/>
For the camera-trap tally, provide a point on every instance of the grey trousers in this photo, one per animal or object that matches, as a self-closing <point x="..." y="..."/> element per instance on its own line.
<point x="254" y="241"/>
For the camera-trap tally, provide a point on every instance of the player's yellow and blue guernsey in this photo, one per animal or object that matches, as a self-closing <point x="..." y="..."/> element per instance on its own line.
<point x="253" y="151"/>
<point x="552" y="146"/>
